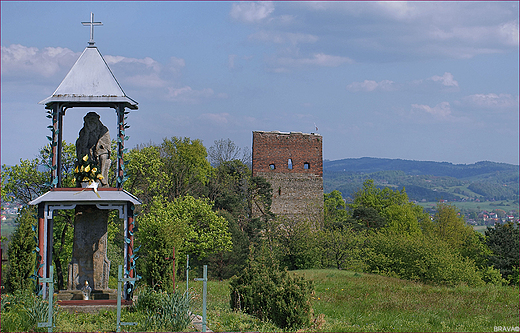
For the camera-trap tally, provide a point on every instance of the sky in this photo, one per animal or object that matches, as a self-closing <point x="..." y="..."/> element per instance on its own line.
<point x="432" y="81"/>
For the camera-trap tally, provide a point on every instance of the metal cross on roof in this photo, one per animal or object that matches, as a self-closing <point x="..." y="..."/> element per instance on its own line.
<point x="92" y="24"/>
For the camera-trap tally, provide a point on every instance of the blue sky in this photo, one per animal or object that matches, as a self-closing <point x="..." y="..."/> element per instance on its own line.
<point x="433" y="81"/>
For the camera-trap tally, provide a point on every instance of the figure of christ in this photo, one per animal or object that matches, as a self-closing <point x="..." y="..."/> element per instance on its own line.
<point x="94" y="141"/>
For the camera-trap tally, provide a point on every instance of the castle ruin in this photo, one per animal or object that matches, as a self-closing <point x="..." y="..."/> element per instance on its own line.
<point x="293" y="164"/>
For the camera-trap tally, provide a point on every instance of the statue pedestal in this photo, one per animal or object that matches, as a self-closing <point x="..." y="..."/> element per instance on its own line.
<point x="89" y="255"/>
<point x="77" y="295"/>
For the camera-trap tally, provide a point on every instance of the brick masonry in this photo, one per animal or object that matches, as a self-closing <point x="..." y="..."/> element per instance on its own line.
<point x="293" y="164"/>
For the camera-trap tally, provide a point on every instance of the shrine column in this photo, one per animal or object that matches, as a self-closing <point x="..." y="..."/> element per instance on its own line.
<point x="120" y="144"/>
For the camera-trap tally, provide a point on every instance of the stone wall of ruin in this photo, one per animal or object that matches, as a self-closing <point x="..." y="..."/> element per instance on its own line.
<point x="293" y="164"/>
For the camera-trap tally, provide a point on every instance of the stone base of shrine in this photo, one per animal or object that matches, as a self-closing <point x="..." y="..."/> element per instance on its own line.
<point x="95" y="295"/>
<point x="91" y="306"/>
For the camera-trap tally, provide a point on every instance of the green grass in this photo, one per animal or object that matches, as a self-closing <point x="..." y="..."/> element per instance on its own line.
<point x="354" y="302"/>
<point x="506" y="205"/>
<point x="480" y="228"/>
<point x="364" y="302"/>
<point x="346" y="301"/>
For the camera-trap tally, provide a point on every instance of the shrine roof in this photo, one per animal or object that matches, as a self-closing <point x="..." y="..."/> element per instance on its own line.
<point x="86" y="196"/>
<point x="90" y="82"/>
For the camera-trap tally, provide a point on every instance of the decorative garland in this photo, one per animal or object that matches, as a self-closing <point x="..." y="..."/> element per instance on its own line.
<point x="36" y="275"/>
<point x="52" y="115"/>
<point x="124" y="125"/>
<point x="134" y="256"/>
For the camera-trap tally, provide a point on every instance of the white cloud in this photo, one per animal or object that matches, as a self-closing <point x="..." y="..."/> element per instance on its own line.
<point x="446" y="80"/>
<point x="278" y="37"/>
<point x="215" y="118"/>
<point x="444" y="83"/>
<point x="251" y="12"/>
<point x="148" y="80"/>
<point x="440" y="111"/>
<point x="320" y="59"/>
<point x="146" y="72"/>
<point x="147" y="62"/>
<point x="134" y="65"/>
<point x="491" y="101"/>
<point x="509" y="33"/>
<point x="188" y="95"/>
<point x="370" y="85"/>
<point x="397" y="10"/>
<point x="398" y="30"/>
<point x="18" y="59"/>
<point x="176" y="64"/>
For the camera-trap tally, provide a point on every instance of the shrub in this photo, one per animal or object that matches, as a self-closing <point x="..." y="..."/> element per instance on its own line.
<point x="419" y="258"/>
<point x="492" y="275"/>
<point x="503" y="240"/>
<point x="21" y="254"/>
<point x="162" y="311"/>
<point x="267" y="293"/>
<point x="22" y="311"/>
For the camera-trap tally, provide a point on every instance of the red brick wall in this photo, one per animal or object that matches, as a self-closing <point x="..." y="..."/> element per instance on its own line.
<point x="297" y="192"/>
<point x="277" y="148"/>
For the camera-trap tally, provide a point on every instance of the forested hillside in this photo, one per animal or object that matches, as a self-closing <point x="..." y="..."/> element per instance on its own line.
<point x="425" y="180"/>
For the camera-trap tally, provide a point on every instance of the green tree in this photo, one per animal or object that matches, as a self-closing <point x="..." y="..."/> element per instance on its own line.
<point x="24" y="182"/>
<point x="398" y="213"/>
<point x="147" y="175"/>
<point x="366" y="218"/>
<point x="28" y="180"/>
<point x="295" y="242"/>
<point x="228" y="187"/>
<point x="224" y="264"/>
<point x="341" y="248"/>
<point x="449" y="225"/>
<point x="22" y="257"/>
<point x="225" y="150"/>
<point x="371" y="196"/>
<point x="503" y="240"/>
<point x="419" y="258"/>
<point x="268" y="293"/>
<point x="403" y="218"/>
<point x="335" y="213"/>
<point x="259" y="197"/>
<point x="188" y="224"/>
<point x="175" y="168"/>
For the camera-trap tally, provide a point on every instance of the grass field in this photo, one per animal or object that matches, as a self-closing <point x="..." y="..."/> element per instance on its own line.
<point x="346" y="301"/>
<point x="506" y="205"/>
<point x="480" y="228"/>
<point x="354" y="302"/>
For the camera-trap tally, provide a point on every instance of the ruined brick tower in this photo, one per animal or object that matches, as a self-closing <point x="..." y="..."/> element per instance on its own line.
<point x="293" y="164"/>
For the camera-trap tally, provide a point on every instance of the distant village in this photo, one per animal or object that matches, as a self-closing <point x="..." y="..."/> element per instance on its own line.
<point x="9" y="208"/>
<point x="491" y="218"/>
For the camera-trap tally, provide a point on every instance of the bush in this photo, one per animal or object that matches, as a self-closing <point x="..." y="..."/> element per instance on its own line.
<point x="162" y="311"/>
<point x="267" y="293"/>
<point x="492" y="275"/>
<point x="21" y="254"/>
<point x="419" y="258"/>
<point x="22" y="311"/>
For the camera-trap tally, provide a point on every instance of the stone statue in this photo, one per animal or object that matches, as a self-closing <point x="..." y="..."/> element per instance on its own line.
<point x="94" y="141"/>
<point x="86" y="290"/>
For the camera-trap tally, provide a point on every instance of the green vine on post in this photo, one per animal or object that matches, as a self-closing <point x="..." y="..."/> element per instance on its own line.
<point x="134" y="256"/>
<point x="36" y="275"/>
<point x="120" y="155"/>
<point x="53" y="143"/>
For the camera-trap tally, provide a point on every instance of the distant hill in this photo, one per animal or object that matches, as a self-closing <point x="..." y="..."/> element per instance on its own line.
<point x="410" y="167"/>
<point x="425" y="180"/>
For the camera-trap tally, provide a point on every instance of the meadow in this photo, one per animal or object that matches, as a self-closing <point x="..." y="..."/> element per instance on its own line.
<point x="506" y="205"/>
<point x="344" y="301"/>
